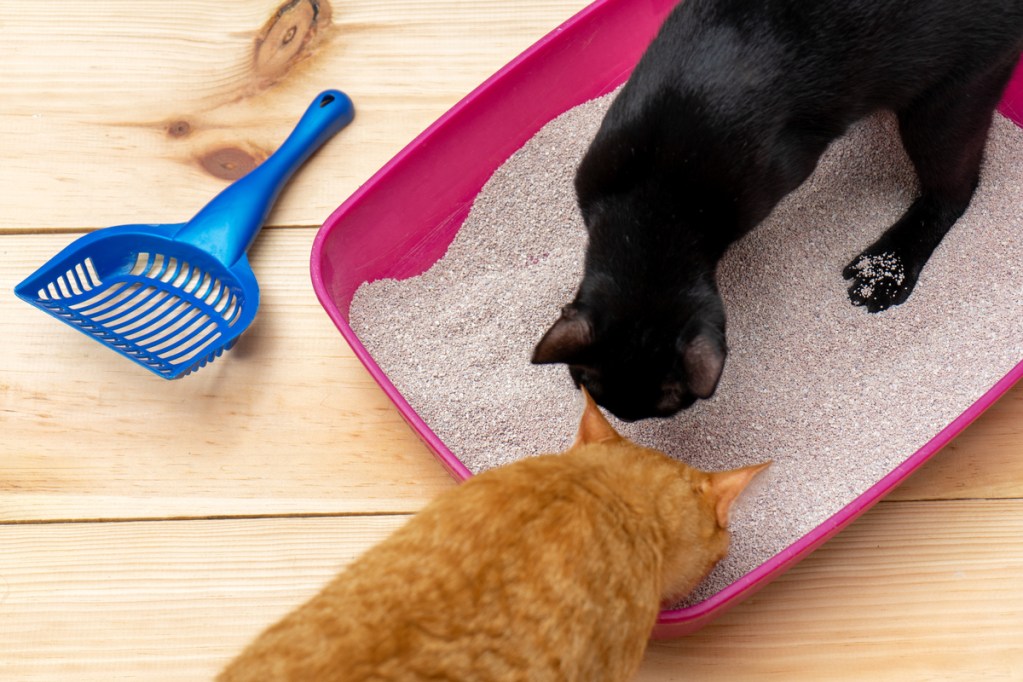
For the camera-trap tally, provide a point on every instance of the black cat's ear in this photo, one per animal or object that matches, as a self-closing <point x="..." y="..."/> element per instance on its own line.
<point x="703" y="359"/>
<point x="566" y="339"/>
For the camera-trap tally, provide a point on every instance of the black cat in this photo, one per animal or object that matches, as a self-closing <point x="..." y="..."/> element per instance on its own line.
<point x="728" y="111"/>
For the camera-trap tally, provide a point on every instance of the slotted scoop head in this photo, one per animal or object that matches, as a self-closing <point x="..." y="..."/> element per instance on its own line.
<point x="174" y="297"/>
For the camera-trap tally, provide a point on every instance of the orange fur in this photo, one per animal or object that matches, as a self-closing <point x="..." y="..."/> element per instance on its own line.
<point x="551" y="568"/>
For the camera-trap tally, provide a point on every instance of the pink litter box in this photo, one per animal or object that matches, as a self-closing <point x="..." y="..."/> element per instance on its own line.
<point x="402" y="220"/>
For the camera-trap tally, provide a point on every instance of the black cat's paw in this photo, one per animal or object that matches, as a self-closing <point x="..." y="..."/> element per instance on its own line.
<point x="879" y="281"/>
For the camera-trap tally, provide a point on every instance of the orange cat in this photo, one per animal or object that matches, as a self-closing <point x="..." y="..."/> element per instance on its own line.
<point x="550" y="568"/>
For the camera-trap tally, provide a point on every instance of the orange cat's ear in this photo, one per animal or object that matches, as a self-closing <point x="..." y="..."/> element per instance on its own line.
<point x="594" y="427"/>
<point x="725" y="486"/>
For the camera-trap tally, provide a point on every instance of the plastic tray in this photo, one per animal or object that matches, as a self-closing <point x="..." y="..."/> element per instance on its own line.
<point x="402" y="220"/>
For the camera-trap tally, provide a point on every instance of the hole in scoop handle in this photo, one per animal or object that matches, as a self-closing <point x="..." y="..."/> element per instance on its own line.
<point x="226" y="226"/>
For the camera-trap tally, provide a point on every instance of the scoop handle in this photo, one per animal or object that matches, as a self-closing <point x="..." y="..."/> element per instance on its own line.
<point x="227" y="225"/>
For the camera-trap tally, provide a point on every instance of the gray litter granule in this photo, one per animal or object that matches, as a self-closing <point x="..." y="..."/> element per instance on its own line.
<point x="836" y="396"/>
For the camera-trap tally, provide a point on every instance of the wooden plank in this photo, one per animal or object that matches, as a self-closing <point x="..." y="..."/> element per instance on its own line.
<point x="287" y="422"/>
<point x="129" y="112"/>
<point x="985" y="460"/>
<point x="912" y="591"/>
<point x="158" y="601"/>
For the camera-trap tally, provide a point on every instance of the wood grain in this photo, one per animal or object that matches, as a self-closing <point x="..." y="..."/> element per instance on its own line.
<point x="912" y="591"/>
<point x="94" y="98"/>
<point x="159" y="601"/>
<point x="287" y="422"/>
<point x="123" y="112"/>
<point x="984" y="461"/>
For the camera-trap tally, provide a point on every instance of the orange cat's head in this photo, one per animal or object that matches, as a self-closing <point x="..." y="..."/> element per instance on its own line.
<point x="692" y="504"/>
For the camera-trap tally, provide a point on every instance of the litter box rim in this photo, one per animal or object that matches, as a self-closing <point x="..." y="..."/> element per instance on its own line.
<point x="614" y="32"/>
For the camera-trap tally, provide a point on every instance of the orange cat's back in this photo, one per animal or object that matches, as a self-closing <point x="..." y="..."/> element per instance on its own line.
<point x="551" y="568"/>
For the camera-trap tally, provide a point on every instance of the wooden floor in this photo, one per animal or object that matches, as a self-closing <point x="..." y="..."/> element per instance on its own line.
<point x="148" y="529"/>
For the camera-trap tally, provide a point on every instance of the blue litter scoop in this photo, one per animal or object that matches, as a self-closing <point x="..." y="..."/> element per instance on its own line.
<point x="174" y="297"/>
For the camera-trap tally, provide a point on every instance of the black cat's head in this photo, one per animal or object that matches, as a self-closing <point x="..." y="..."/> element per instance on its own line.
<point x="639" y="363"/>
<point x="645" y="333"/>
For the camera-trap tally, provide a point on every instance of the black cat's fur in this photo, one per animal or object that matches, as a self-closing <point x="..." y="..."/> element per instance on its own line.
<point x="728" y="111"/>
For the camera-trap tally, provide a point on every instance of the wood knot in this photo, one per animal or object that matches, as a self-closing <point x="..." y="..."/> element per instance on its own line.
<point x="228" y="163"/>
<point x="287" y="37"/>
<point x="179" y="129"/>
